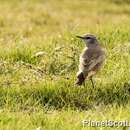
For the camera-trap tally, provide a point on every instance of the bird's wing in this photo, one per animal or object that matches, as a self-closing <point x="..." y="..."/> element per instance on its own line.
<point x="92" y="59"/>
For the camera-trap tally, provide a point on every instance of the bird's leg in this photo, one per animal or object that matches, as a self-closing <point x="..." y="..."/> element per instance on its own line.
<point x="92" y="82"/>
<point x="84" y="84"/>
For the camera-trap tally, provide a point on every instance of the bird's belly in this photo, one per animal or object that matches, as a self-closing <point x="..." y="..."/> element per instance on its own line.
<point x="90" y="74"/>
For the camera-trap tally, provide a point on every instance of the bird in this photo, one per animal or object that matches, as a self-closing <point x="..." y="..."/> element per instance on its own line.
<point x="91" y="59"/>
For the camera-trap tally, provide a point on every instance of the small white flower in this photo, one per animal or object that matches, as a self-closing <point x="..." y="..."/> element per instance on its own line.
<point x="58" y="48"/>
<point x="39" y="128"/>
<point x="39" y="54"/>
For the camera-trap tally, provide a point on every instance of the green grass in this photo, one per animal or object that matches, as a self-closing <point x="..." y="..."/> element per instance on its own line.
<point x="39" y="91"/>
<point x="64" y="120"/>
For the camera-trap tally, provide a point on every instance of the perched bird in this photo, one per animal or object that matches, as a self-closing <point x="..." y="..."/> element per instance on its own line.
<point x="91" y="59"/>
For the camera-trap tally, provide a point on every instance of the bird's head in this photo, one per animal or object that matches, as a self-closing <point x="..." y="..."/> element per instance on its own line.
<point x="89" y="39"/>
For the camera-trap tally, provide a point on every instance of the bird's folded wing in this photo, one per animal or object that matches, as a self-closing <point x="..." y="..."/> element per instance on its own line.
<point x="90" y="63"/>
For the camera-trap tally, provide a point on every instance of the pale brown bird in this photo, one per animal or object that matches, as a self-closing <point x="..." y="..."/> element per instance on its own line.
<point x="91" y="59"/>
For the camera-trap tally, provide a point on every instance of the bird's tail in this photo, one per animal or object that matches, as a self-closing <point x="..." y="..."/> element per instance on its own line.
<point x="80" y="79"/>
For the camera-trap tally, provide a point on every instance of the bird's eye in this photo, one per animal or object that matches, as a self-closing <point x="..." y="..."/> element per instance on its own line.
<point x="88" y="37"/>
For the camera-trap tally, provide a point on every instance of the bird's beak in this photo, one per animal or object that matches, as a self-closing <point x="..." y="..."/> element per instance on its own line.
<point x="80" y="37"/>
